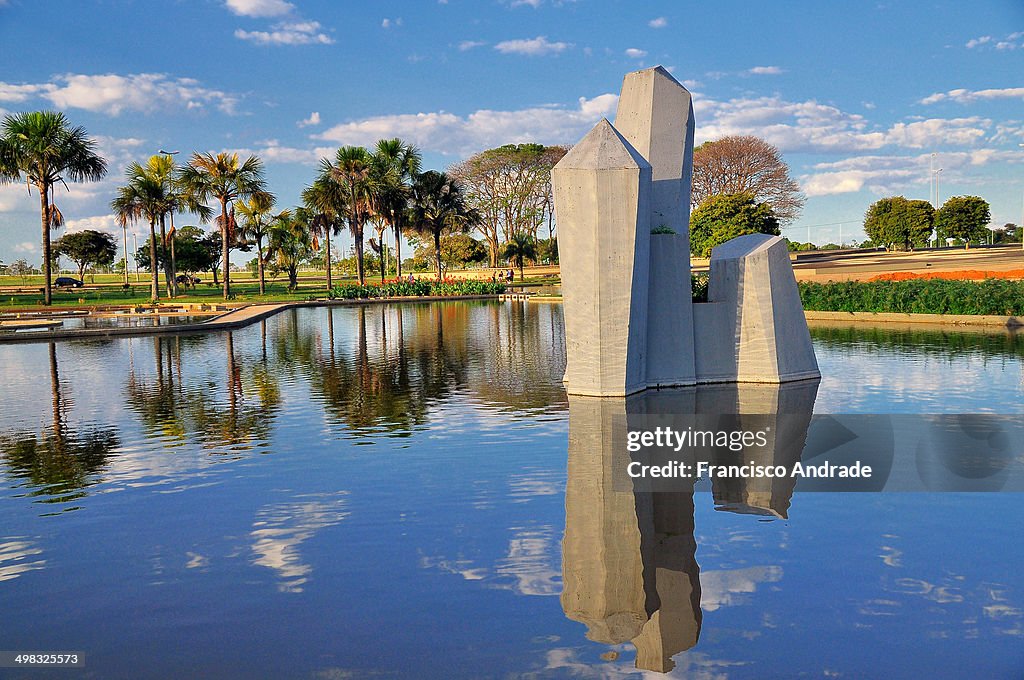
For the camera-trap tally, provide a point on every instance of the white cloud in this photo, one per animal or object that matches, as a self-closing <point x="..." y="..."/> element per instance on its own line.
<point x="388" y="23"/>
<point x="26" y="247"/>
<point x="272" y="151"/>
<point x="314" y="119"/>
<point x="1007" y="43"/>
<point x="532" y="47"/>
<point x="102" y="223"/>
<point x="660" y="22"/>
<point x="448" y="133"/>
<point x="259" y="8"/>
<point x="766" y="71"/>
<point x="470" y="45"/>
<point x="963" y="96"/>
<point x="113" y="94"/>
<point x="288" y="33"/>
<point x="888" y="175"/>
<point x="634" y="53"/>
<point x="811" y="126"/>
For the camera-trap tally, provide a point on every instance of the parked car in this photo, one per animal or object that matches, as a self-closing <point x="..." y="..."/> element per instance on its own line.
<point x="67" y="282"/>
<point x="185" y="279"/>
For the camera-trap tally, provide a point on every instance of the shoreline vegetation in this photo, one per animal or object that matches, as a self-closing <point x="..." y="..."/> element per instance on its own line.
<point x="920" y="295"/>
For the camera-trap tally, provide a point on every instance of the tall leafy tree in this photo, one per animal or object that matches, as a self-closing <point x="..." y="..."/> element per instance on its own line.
<point x="745" y="164"/>
<point x="394" y="166"/>
<point x="87" y="247"/>
<point x="510" y="188"/>
<point x="142" y="197"/>
<point x="895" y="222"/>
<point x="964" y="218"/>
<point x="224" y="178"/>
<point x="256" y="222"/>
<point x="291" y="243"/>
<point x="438" y="207"/>
<point x="351" y="170"/>
<point x="43" y="148"/>
<point x="724" y="217"/>
<point x="324" y="201"/>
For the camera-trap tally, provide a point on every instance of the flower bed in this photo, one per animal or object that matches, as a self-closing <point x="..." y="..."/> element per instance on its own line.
<point x="416" y="288"/>
<point x="962" y="275"/>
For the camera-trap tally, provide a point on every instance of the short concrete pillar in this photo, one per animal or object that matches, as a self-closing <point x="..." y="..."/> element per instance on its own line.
<point x="752" y="329"/>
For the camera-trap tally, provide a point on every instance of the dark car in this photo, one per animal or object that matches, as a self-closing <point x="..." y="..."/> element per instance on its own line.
<point x="67" y="282"/>
<point x="185" y="279"/>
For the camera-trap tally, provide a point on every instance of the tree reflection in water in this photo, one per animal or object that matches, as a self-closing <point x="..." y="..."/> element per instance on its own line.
<point x="179" y="410"/>
<point x="60" y="462"/>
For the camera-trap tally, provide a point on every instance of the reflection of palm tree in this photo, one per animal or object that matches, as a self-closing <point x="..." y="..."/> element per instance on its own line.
<point x="180" y="410"/>
<point x="61" y="463"/>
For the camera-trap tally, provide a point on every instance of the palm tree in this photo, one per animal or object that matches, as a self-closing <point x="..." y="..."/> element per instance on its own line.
<point x="290" y="242"/>
<point x="518" y="248"/>
<point x="395" y="165"/>
<point x="222" y="177"/>
<point x="351" y="171"/>
<point x="439" y="206"/>
<point x="143" y="196"/>
<point x="325" y="202"/>
<point x="256" y="224"/>
<point x="45" y="149"/>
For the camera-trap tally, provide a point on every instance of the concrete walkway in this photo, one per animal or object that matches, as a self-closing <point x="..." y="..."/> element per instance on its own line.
<point x="230" y="320"/>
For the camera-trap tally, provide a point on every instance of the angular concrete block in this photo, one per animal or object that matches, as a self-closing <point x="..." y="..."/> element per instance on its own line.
<point x="655" y="114"/>
<point x="602" y="204"/>
<point x="753" y="327"/>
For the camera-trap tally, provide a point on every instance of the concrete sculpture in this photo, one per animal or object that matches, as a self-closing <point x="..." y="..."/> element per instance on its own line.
<point x="622" y="200"/>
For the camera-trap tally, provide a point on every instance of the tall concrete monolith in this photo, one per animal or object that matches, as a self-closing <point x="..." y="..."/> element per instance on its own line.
<point x="602" y="202"/>
<point x="655" y="113"/>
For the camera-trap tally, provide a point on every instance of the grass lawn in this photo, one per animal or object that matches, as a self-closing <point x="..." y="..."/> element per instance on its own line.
<point x="139" y="294"/>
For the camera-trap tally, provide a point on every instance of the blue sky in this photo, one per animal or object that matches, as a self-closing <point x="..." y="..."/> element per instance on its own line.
<point x="857" y="95"/>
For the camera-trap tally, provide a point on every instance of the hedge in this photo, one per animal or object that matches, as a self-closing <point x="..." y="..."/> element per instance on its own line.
<point x="998" y="297"/>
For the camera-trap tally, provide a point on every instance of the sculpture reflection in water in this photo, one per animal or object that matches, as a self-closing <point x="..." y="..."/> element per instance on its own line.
<point x="629" y="566"/>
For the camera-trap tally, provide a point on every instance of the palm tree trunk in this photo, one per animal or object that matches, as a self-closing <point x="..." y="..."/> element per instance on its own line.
<point x="437" y="251"/>
<point x="259" y="265"/>
<point x="224" y="246"/>
<point x="327" y="240"/>
<point x="358" y="233"/>
<point x="174" y="269"/>
<point x="167" y="260"/>
<point x="44" y="209"/>
<point x="153" y="268"/>
<point x="174" y="260"/>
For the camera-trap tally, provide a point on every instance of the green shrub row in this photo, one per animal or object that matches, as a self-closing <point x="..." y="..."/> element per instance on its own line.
<point x="916" y="296"/>
<point x="417" y="288"/>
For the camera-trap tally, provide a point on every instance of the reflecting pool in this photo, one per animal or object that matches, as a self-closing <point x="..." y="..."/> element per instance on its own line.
<point x="406" y="491"/>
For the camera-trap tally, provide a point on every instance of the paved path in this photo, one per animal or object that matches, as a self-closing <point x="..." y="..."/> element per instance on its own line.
<point x="230" y="320"/>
